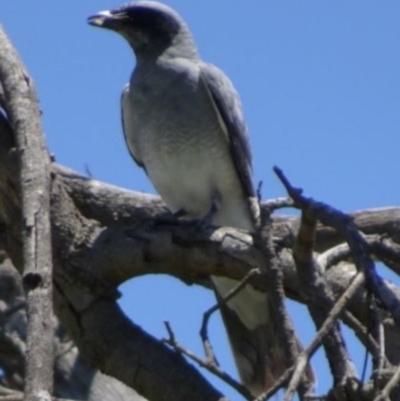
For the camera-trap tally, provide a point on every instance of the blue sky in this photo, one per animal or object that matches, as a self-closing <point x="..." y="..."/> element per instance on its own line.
<point x="320" y="85"/>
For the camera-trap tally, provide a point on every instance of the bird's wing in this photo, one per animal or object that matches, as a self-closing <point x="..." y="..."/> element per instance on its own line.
<point x="229" y="110"/>
<point x="128" y="126"/>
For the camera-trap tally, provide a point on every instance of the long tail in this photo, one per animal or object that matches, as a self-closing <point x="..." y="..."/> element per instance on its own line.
<point x="258" y="351"/>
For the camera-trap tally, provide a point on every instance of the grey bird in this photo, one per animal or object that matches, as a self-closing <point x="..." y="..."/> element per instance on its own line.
<point x="183" y="124"/>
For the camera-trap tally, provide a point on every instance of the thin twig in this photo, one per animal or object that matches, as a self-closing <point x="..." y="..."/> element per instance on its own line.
<point x="211" y="367"/>
<point x="381" y="339"/>
<point x="208" y="349"/>
<point x="280" y="383"/>
<point x="390" y="385"/>
<point x="328" y="324"/>
<point x="333" y="256"/>
<point x="300" y="366"/>
<point x="8" y="391"/>
<point x="363" y="334"/>
<point x="327" y="259"/>
<point x="387" y="251"/>
<point x="380" y="362"/>
<point x="325" y="328"/>
<point x="14" y="308"/>
<point x="383" y="248"/>
<point x="277" y="203"/>
<point x="7" y="394"/>
<point x="19" y="396"/>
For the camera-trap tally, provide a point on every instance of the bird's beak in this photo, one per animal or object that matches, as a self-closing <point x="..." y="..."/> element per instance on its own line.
<point x="106" y="19"/>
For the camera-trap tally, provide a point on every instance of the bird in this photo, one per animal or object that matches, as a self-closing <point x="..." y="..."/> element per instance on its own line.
<point x="183" y="123"/>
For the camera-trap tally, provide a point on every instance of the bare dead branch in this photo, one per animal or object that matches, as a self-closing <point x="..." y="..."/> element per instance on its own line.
<point x="300" y="366"/>
<point x="386" y="250"/>
<point x="209" y="365"/>
<point x="359" y="247"/>
<point x="314" y="287"/>
<point x="389" y="387"/>
<point x="325" y="328"/>
<point x="225" y="251"/>
<point x="278" y="314"/>
<point x="280" y="383"/>
<point x="208" y="349"/>
<point x="109" y="204"/>
<point x="364" y="335"/>
<point x="333" y="256"/>
<point x="278" y="203"/>
<point x="24" y="115"/>
<point x="12" y="395"/>
<point x="379" y="363"/>
<point x="6" y="391"/>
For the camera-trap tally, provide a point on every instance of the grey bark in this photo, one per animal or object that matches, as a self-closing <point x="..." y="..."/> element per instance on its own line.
<point x="73" y="377"/>
<point x="34" y="186"/>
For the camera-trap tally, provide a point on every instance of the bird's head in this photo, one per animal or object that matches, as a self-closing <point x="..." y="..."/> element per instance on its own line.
<point x="150" y="27"/>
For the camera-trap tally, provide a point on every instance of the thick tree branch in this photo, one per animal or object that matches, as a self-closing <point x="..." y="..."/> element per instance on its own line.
<point x="109" y="204"/>
<point x="24" y="115"/>
<point x="105" y="337"/>
<point x="73" y="378"/>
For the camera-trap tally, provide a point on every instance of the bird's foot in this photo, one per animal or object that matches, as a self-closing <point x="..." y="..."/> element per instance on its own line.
<point x="182" y="216"/>
<point x="178" y="218"/>
<point x="200" y="223"/>
<point x="166" y="219"/>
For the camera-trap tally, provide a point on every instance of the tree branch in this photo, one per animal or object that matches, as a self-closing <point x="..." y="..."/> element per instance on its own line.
<point x="358" y="246"/>
<point x="324" y="329"/>
<point x="206" y="364"/>
<point x="314" y="286"/>
<point x="24" y="115"/>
